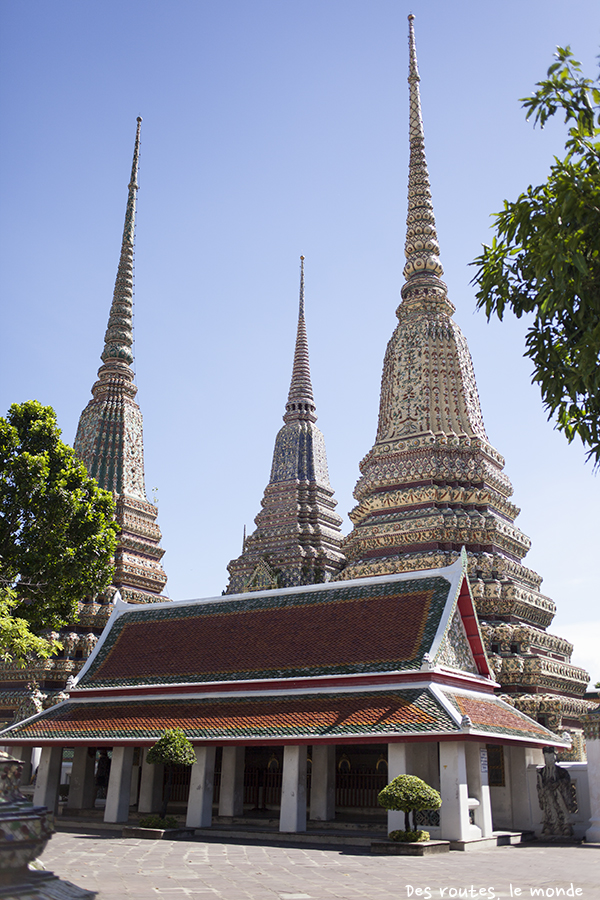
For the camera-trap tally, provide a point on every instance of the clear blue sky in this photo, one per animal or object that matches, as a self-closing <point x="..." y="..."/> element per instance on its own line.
<point x="274" y="128"/>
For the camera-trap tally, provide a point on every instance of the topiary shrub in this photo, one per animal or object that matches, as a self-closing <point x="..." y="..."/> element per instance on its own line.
<point x="408" y="793"/>
<point x="158" y="822"/>
<point x="171" y="749"/>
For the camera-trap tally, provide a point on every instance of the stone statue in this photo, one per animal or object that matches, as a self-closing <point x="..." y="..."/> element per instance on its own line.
<point x="556" y="796"/>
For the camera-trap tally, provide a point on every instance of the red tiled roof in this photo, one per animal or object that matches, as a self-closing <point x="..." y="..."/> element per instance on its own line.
<point x="494" y="715"/>
<point x="315" y="715"/>
<point x="361" y="628"/>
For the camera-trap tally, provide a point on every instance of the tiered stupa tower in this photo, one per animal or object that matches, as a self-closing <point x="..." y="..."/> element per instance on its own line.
<point x="109" y="441"/>
<point x="110" y="433"/>
<point x="433" y="483"/>
<point x="297" y="539"/>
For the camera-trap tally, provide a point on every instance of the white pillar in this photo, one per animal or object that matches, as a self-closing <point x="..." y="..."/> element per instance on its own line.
<point x="151" y="785"/>
<point x="454" y="811"/>
<point x="48" y="778"/>
<point x="199" y="811"/>
<point x="292" y="817"/>
<point x="396" y="766"/>
<point x="82" y="787"/>
<point x="231" y="794"/>
<point x="591" y="730"/>
<point x="322" y="783"/>
<point x="519" y="758"/>
<point x="477" y="780"/>
<point x="119" y="785"/>
<point x="135" y="777"/>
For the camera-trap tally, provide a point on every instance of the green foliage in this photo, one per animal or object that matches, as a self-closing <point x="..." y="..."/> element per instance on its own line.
<point x="545" y="258"/>
<point x="155" y="821"/>
<point x="57" y="528"/>
<point x="17" y="643"/>
<point x="407" y="793"/>
<point x="172" y="749"/>
<point x="409" y="837"/>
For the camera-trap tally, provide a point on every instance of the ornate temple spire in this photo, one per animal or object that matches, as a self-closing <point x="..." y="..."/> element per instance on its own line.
<point x="421" y="247"/>
<point x="297" y="538"/>
<point x="109" y="437"/>
<point x="118" y="339"/>
<point x="301" y="404"/>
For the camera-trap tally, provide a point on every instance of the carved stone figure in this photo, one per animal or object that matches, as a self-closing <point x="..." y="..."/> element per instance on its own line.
<point x="556" y="796"/>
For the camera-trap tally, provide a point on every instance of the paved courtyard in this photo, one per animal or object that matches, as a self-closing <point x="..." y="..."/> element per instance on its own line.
<point x="117" y="868"/>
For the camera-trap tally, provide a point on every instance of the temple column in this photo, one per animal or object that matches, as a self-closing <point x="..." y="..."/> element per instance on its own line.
<point x="82" y="787"/>
<point x="24" y="754"/>
<point x="151" y="785"/>
<point x="322" y="785"/>
<point x="454" y="811"/>
<point x="199" y="811"/>
<point x="231" y="795"/>
<point x="478" y="786"/>
<point x="591" y="730"/>
<point x="519" y="759"/>
<point x="48" y="778"/>
<point x="292" y="817"/>
<point x="119" y="785"/>
<point x="396" y="766"/>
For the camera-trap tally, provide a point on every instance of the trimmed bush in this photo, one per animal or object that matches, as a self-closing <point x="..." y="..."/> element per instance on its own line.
<point x="171" y="749"/>
<point x="409" y="837"/>
<point x="408" y="793"/>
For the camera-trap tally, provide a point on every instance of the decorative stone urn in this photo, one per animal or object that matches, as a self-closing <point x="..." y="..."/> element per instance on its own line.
<point x="25" y="829"/>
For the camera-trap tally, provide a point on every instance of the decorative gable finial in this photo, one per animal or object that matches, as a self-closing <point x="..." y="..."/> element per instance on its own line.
<point x="301" y="403"/>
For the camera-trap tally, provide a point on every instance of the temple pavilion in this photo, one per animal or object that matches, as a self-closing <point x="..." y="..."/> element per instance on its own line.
<point x="393" y="664"/>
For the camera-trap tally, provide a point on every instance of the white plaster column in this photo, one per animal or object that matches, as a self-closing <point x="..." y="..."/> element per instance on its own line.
<point x="48" y="778"/>
<point x="292" y="817"/>
<point x="199" y="811"/>
<point x="151" y="785"/>
<point x="322" y="783"/>
<point x="519" y="759"/>
<point x="454" y="811"/>
<point x="231" y="794"/>
<point x="82" y="787"/>
<point x="119" y="785"/>
<point x="478" y="785"/>
<point x="396" y="766"/>
<point x="135" y="776"/>
<point x="591" y="730"/>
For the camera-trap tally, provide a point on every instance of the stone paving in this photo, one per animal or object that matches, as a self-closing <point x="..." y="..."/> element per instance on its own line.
<point x="117" y="868"/>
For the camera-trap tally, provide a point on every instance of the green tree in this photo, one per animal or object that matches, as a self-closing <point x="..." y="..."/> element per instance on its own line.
<point x="545" y="258"/>
<point x="17" y="642"/>
<point x="171" y="749"/>
<point x="408" y="793"/>
<point x="57" y="528"/>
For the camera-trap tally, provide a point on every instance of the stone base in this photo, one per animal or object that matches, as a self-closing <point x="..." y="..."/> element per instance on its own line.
<point x="157" y="834"/>
<point x="418" y="848"/>
<point x="498" y="839"/>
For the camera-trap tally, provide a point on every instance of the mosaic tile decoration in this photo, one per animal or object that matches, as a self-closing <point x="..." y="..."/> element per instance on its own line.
<point x="370" y="628"/>
<point x="412" y="711"/>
